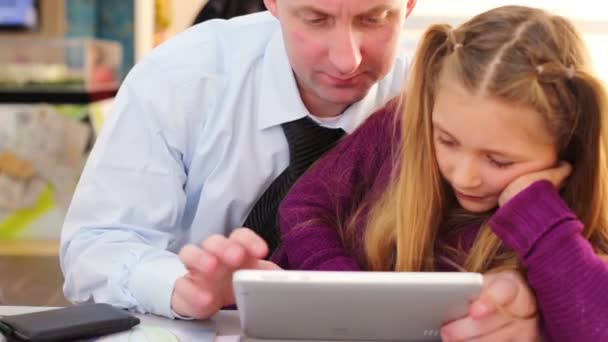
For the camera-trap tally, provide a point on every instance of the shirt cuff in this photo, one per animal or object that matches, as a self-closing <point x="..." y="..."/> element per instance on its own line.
<point x="178" y="316"/>
<point x="530" y="215"/>
<point x="152" y="283"/>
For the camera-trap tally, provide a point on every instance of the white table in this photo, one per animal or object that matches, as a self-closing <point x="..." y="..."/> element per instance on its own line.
<point x="155" y="328"/>
<point x="222" y="327"/>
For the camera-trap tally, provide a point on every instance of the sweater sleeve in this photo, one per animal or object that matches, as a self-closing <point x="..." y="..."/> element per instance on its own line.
<point x="570" y="280"/>
<point x="324" y="197"/>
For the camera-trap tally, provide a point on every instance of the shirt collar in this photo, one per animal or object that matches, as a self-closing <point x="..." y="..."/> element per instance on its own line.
<point x="280" y="99"/>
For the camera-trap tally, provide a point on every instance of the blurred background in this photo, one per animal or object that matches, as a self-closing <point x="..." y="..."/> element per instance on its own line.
<point x="61" y="63"/>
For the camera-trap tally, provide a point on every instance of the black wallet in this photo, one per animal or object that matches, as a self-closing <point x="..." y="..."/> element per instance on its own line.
<point x="67" y="324"/>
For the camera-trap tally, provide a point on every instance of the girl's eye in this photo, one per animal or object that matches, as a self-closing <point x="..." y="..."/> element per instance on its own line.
<point x="499" y="163"/>
<point x="445" y="141"/>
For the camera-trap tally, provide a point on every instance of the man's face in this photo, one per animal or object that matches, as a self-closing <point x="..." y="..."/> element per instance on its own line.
<point x="339" y="48"/>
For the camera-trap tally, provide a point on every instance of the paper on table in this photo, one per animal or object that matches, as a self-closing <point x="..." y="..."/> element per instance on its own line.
<point x="240" y="338"/>
<point x="158" y="329"/>
<point x="228" y="338"/>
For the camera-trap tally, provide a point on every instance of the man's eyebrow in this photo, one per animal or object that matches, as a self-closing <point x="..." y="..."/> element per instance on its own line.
<point x="309" y="9"/>
<point x="378" y="9"/>
<point x="374" y="10"/>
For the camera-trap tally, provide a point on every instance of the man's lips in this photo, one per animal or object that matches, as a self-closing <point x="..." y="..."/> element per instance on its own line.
<point x="341" y="80"/>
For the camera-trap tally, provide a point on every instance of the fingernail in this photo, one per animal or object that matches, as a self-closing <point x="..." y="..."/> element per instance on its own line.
<point x="261" y="248"/>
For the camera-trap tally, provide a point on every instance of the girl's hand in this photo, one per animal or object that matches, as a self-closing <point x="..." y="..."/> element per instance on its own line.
<point x="505" y="311"/>
<point x="556" y="175"/>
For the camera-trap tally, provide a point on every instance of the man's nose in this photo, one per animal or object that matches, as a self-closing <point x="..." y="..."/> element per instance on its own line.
<point x="345" y="51"/>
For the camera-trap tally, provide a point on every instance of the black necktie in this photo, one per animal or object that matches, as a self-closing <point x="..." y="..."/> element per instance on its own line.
<point x="307" y="142"/>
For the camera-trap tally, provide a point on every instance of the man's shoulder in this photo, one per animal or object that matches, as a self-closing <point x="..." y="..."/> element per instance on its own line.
<point x="209" y="49"/>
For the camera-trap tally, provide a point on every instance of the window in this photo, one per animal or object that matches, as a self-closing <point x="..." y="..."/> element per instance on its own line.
<point x="591" y="21"/>
<point x="18" y="14"/>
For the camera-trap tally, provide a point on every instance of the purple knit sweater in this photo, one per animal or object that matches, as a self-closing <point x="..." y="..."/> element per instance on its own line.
<point x="569" y="279"/>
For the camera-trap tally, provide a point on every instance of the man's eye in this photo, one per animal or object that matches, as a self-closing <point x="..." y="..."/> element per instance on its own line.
<point x="316" y="21"/>
<point x="373" y="20"/>
<point x="376" y="19"/>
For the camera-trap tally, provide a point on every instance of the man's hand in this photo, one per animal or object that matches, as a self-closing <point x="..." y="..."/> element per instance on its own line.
<point x="505" y="311"/>
<point x="208" y="285"/>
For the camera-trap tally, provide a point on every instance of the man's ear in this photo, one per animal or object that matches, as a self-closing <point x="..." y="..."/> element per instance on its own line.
<point x="271" y="6"/>
<point x="410" y="7"/>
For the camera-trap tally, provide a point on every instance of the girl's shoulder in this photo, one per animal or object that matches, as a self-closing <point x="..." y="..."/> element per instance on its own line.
<point x="383" y="127"/>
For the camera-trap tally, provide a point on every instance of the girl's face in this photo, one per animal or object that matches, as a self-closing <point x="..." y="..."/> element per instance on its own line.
<point x="482" y="144"/>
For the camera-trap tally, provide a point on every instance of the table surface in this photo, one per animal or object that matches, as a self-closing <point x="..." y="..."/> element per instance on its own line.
<point x="155" y="328"/>
<point x="222" y="327"/>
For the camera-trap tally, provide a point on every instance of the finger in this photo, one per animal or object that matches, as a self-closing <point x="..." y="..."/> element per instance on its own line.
<point x="266" y="265"/>
<point x="192" y="300"/>
<point x="524" y="331"/>
<point x="242" y="249"/>
<point x="500" y="289"/>
<point x="560" y="173"/>
<point x="252" y="242"/>
<point x="228" y="252"/>
<point x="198" y="260"/>
<point x="468" y="327"/>
<point x="497" y="292"/>
<point x="507" y="293"/>
<point x="190" y="256"/>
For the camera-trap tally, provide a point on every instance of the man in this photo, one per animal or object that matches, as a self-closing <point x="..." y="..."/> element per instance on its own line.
<point x="209" y="131"/>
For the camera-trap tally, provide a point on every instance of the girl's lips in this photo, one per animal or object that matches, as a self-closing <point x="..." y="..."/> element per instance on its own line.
<point x="470" y="197"/>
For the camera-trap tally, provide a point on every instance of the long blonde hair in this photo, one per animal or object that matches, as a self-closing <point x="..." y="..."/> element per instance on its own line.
<point x="519" y="54"/>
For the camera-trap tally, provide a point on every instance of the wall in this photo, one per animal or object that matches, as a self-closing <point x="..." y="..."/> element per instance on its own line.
<point x="592" y="22"/>
<point x="184" y="13"/>
<point x="104" y="19"/>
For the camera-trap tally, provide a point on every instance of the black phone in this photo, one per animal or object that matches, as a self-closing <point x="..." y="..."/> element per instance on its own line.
<point x="67" y="324"/>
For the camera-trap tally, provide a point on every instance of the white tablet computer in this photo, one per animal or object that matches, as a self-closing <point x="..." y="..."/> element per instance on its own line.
<point x="364" y="306"/>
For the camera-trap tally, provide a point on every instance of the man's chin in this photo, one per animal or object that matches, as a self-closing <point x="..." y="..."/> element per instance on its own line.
<point x="344" y="96"/>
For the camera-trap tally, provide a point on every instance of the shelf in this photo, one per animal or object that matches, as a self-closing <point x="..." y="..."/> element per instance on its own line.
<point x="29" y="247"/>
<point x="55" y="97"/>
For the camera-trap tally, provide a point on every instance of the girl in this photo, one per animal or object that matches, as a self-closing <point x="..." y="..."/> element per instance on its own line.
<point x="497" y="162"/>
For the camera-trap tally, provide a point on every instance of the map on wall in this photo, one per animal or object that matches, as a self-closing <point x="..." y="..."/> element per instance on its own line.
<point x="41" y="157"/>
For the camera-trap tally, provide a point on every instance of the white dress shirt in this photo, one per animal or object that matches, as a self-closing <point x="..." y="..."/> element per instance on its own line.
<point x="194" y="138"/>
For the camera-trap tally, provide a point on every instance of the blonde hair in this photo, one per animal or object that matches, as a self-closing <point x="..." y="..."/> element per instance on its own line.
<point x="518" y="54"/>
